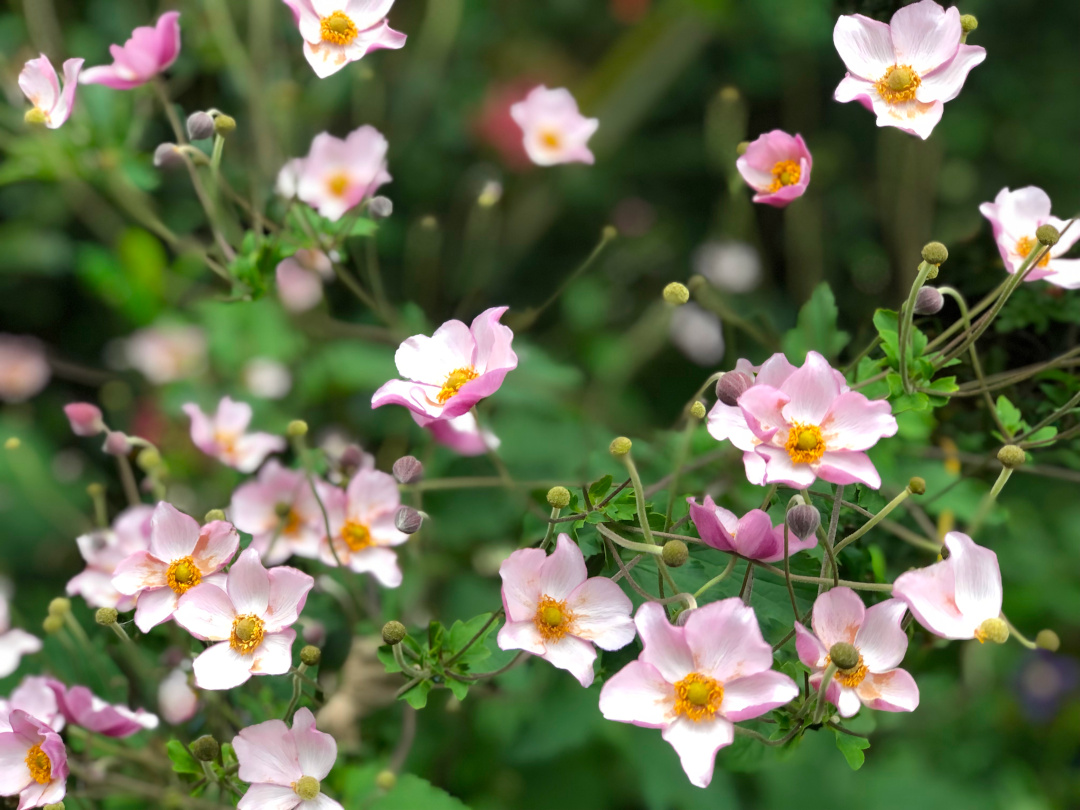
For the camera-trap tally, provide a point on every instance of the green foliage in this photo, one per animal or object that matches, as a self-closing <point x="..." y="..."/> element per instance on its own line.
<point x="852" y="748"/>
<point x="817" y="328"/>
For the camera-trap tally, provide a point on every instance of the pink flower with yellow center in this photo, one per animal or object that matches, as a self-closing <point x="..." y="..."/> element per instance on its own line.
<point x="696" y="681"/>
<point x="224" y="436"/>
<point x="337" y="175"/>
<point x="337" y="32"/>
<point x="553" y="128"/>
<point x="36" y="696"/>
<point x="449" y="372"/>
<point x="905" y="71"/>
<point x="555" y="610"/>
<point x="83" y="708"/>
<point x="40" y="84"/>
<point x="777" y="166"/>
<point x="24" y="368"/>
<point x="103" y="550"/>
<point x="181" y="556"/>
<point x="149" y="52"/>
<point x="753" y="535"/>
<point x="364" y="531"/>
<point x="1015" y="216"/>
<point x="879" y="643"/>
<point x="33" y="762"/>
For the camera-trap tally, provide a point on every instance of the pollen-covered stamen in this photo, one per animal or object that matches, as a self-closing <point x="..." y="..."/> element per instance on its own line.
<point x="698" y="697"/>
<point x="307" y="788"/>
<point x="898" y="84"/>
<point x="850" y="677"/>
<point x="551" y="139"/>
<point x="183" y="575"/>
<point x="39" y="764"/>
<point x="553" y="619"/>
<point x="338" y="184"/>
<point x="804" y="443"/>
<point x="785" y="173"/>
<point x="247" y="633"/>
<point x="338" y="28"/>
<point x="1026" y="244"/>
<point x="290" y="520"/>
<point x="454" y="380"/>
<point x="226" y="441"/>
<point x="357" y="536"/>
<point x="995" y="630"/>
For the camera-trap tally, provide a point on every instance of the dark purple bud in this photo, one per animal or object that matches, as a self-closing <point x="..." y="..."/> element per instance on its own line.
<point x="408" y="520"/>
<point x="167" y="156"/>
<point x="408" y="470"/>
<point x="200" y="126"/>
<point x="731" y="386"/>
<point x="803" y="520"/>
<point x="928" y="301"/>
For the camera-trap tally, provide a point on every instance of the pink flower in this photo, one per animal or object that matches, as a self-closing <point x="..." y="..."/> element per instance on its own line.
<point x="812" y="427"/>
<point x="337" y="175"/>
<point x="225" y="436"/>
<point x="555" y="131"/>
<point x="462" y="434"/>
<point x="285" y="767"/>
<point x="250" y="619"/>
<point x="753" y="535"/>
<point x="905" y="71"/>
<point x="300" y="279"/>
<point x="85" y="419"/>
<point x="37" y="697"/>
<point x="176" y="699"/>
<point x="449" y="372"/>
<point x="362" y="520"/>
<point x="150" y="51"/>
<point x="82" y="708"/>
<point x="959" y="597"/>
<point x="181" y="555"/>
<point x="556" y="611"/>
<point x="167" y="353"/>
<point x="14" y="643"/>
<point x="40" y="84"/>
<point x="103" y="551"/>
<point x="337" y="32"/>
<point x="24" y="369"/>
<point x="777" y="166"/>
<point x="281" y="513"/>
<point x="33" y="762"/>
<point x="875" y="632"/>
<point x="696" y="681"/>
<point x="1014" y="216"/>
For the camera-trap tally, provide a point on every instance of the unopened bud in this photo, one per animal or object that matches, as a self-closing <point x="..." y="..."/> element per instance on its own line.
<point x="35" y="117"/>
<point x="380" y="207"/>
<point x="609" y="233"/>
<point x="54" y="806"/>
<point x="117" y="443"/>
<point x="224" y="124"/>
<point x="310" y="655"/>
<point x="393" y="633"/>
<point x="53" y="624"/>
<point x="741" y="148"/>
<point x="168" y="156"/>
<point x="200" y="126"/>
<point x="408" y="470"/>
<point x="148" y="459"/>
<point x="106" y="616"/>
<point x="844" y="655"/>
<point x="803" y="520"/>
<point x="85" y="419"/>
<point x="205" y="748"/>
<point x="620" y="446"/>
<point x="676" y="294"/>
<point x="917" y="485"/>
<point x="1047" y="235"/>
<point x="1048" y="640"/>
<point x="968" y="23"/>
<point x="935" y="253"/>
<point x="732" y="386"/>
<point x="408" y="520"/>
<point x="95" y="490"/>
<point x="558" y="497"/>
<point x="297" y="428"/>
<point x="214" y="515"/>
<point x="697" y="410"/>
<point x="60" y="606"/>
<point x="385" y="780"/>
<point x="995" y="630"/>
<point x="928" y="301"/>
<point x="1011" y="456"/>
<point x="675" y="553"/>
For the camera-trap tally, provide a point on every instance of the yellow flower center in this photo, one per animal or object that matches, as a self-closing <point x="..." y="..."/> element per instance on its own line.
<point x="551" y="139"/>
<point x="306" y="787"/>
<point x="850" y="677"/>
<point x="454" y="380"/>
<point x="338" y="184"/>
<point x="785" y="173"/>
<point x="339" y="29"/>
<point x="1026" y="244"/>
<point x="898" y="84"/>
<point x="226" y="441"/>
<point x="39" y="764"/>
<point x="183" y="575"/>
<point x="247" y="633"/>
<point x="356" y="535"/>
<point x="552" y="619"/>
<point x="804" y="443"/>
<point x="290" y="522"/>
<point x="698" y="697"/>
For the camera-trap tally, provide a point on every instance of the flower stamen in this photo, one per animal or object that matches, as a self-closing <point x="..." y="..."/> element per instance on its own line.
<point x="183" y="575"/>
<point x="247" y="633"/>
<point x="698" y="697"/>
<point x="553" y="619"/>
<point x="785" y="173"/>
<point x="898" y="84"/>
<point x="551" y="139"/>
<point x="39" y="764"/>
<point x="338" y="184"/>
<point x="1025" y="245"/>
<point x="357" y="536"/>
<point x="804" y="443"/>
<point x="339" y="29"/>
<point x="454" y="380"/>
<point x="850" y="677"/>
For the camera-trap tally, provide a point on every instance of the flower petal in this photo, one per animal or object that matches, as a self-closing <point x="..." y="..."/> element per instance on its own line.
<point x="173" y="535"/>
<point x="838" y="615"/>
<point x="521" y="635"/>
<point x="893" y="691"/>
<point x="602" y="613"/>
<point x="574" y="655"/>
<point x="978" y="577"/>
<point x="925" y="36"/>
<point x="274" y="655"/>
<point x="249" y="584"/>
<point x="945" y="83"/>
<point x="881" y="641"/>
<point x="638" y="694"/>
<point x="697" y="744"/>
<point x="865" y="45"/>
<point x="267" y="752"/>
<point x="217" y="545"/>
<point x="810" y="649"/>
<point x="726" y="641"/>
<point x="289" y="589"/>
<point x="381" y="563"/>
<point x="754" y="695"/>
<point x="848" y="467"/>
<point x="780" y="469"/>
<point x="316" y="750"/>
<point x="221" y="667"/>
<point x="564" y="570"/>
<point x="812" y="390"/>
<point x="930" y="595"/>
<point x="155" y="606"/>
<point x="857" y="423"/>
<point x="263" y="796"/>
<point x="520" y="573"/>
<point x="665" y="647"/>
<point x="207" y="612"/>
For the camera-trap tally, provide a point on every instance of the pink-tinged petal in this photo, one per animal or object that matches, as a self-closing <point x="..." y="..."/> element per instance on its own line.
<point x="217" y="545"/>
<point x="564" y="570"/>
<point x="945" y="83"/>
<point x="1066" y="273"/>
<point x="168" y="30"/>
<point x="274" y="655"/>
<point x="865" y="45"/>
<point x="881" y="641"/>
<point x="221" y="667"/>
<point x="857" y="423"/>
<point x="263" y="796"/>
<point x="370" y="493"/>
<point x="267" y="753"/>
<point x="232" y="417"/>
<point x="14" y="644"/>
<point x="289" y="589"/>
<point x="838" y="615"/>
<point x="852" y="88"/>
<point x="845" y="699"/>
<point x="85" y="419"/>
<point x="109" y="76"/>
<point x="574" y="655"/>
<point x="756" y="538"/>
<point x="381" y="563"/>
<point x="206" y="612"/>
<point x="893" y="691"/>
<point x="249" y="584"/>
<point x="697" y="744"/>
<point x="40" y="84"/>
<point x="173" y="535"/>
<point x="417" y="397"/>
<point x="709" y="520"/>
<point x="462" y="434"/>
<point x="665" y="647"/>
<point x="914" y="116"/>
<point x="40" y="697"/>
<point x="727" y="423"/>
<point x="202" y="429"/>
<point x="321" y="802"/>
<point x="763" y="408"/>
<point x="810" y="649"/>
<point x="553" y="129"/>
<point x="1023" y="210"/>
<point x="154" y="607"/>
<point x="930" y="594"/>
<point x="14" y="775"/>
<point x="298" y="288"/>
<point x="774" y="371"/>
<point x="925" y="36"/>
<point x="754" y="464"/>
<point x="638" y="694"/>
<point x="253" y="448"/>
<point x="493" y="341"/>
<point x="521" y="635"/>
<point x="780" y="469"/>
<point x="812" y="389"/>
<point x="602" y="613"/>
<point x="316" y="750"/>
<point x="726" y="641"/>
<point x="754" y="695"/>
<point x="177" y="701"/>
<point x="848" y="467"/>
<point x="978" y="577"/>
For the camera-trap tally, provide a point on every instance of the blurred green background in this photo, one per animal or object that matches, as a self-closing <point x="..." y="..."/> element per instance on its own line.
<point x="676" y="85"/>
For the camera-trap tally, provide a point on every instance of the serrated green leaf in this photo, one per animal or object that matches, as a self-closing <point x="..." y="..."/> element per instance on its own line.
<point x="181" y="758"/>
<point x="458" y="688"/>
<point x="418" y="695"/>
<point x="816" y="328"/>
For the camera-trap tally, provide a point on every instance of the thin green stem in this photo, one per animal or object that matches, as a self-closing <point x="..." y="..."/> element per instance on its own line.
<point x="498" y="614"/>
<point x="880" y="516"/>
<point x="127" y="479"/>
<point x="680" y="459"/>
<point x="987" y="503"/>
<point x="718" y="578"/>
<point x="787" y="572"/>
<point x="630" y="545"/>
<point x="907" y="313"/>
<point x="528" y="318"/>
<point x="823" y="690"/>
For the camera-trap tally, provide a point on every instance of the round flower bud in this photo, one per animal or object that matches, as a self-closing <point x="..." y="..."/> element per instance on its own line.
<point x="408" y="520"/>
<point x="620" y="446"/>
<point x="917" y="486"/>
<point x="380" y="207"/>
<point x="117" y="443"/>
<point x="310" y="655"/>
<point x="148" y="459"/>
<point x="609" y="233"/>
<point x="558" y="497"/>
<point x="224" y="124"/>
<point x="1011" y="456"/>
<point x="297" y="428"/>
<point x="95" y="490"/>
<point x="697" y="410"/>
<point x="1048" y="640"/>
<point x="106" y="616"/>
<point x="994" y="630"/>
<point x="59" y="606"/>
<point x="935" y="253"/>
<point x="393" y="633"/>
<point x="35" y="117"/>
<point x="741" y="148"/>
<point x="1047" y="235"/>
<point x="214" y="514"/>
<point x="408" y="470"/>
<point x="844" y="655"/>
<point x="205" y="748"/>
<point x="675" y="553"/>
<point x="53" y="624"/>
<point x="732" y="386"/>
<point x="803" y="520"/>
<point x="307" y="788"/>
<point x="676" y="294"/>
<point x="168" y="156"/>
<point x="200" y="126"/>
<point x="385" y="780"/>
<point x="968" y="23"/>
<point x="928" y="301"/>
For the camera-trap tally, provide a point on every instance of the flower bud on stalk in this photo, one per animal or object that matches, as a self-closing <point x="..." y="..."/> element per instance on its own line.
<point x="167" y="156"/>
<point x="1047" y="235"/>
<point x="296" y="429"/>
<point x="106" y="616"/>
<point x="200" y="126"/>
<point x="53" y="624"/>
<point x="1048" y="640"/>
<point x="393" y="633"/>
<point x="620" y="446"/>
<point x="385" y="780"/>
<point x="1011" y="456"/>
<point x="117" y="443"/>
<point x="205" y="748"/>
<point x="917" y="486"/>
<point x="148" y="459"/>
<point x="224" y="124"/>
<point x="928" y="301"/>
<point x="60" y="606"/>
<point x="380" y="207"/>
<point x="408" y="470"/>
<point x="935" y="253"/>
<point x="558" y="497"/>
<point x="803" y="520"/>
<point x="408" y="520"/>
<point x="675" y="553"/>
<point x="732" y="386"/>
<point x="676" y="294"/>
<point x="214" y="514"/>
<point x="697" y="410"/>
<point x="741" y="148"/>
<point x="54" y="806"/>
<point x="968" y="23"/>
<point x="310" y="655"/>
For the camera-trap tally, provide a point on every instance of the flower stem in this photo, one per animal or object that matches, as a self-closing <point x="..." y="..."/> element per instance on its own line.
<point x="718" y="578"/>
<point x="907" y="313"/>
<point x="880" y="516"/>
<point x="987" y="503"/>
<point x="823" y="690"/>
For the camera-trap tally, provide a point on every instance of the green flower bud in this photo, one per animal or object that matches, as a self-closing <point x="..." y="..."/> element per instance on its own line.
<point x="995" y="630"/>
<point x="393" y="633"/>
<point x="106" y="616"/>
<point x="676" y="294"/>
<point x="297" y="428"/>
<point x="59" y="607"/>
<point x="917" y="486"/>
<point x="1048" y="640"/>
<point x="609" y="233"/>
<point x="224" y="124"/>
<point x="844" y="655"/>
<point x="52" y="624"/>
<point x="675" y="553"/>
<point x="385" y="780"/>
<point x="310" y="655"/>
<point x="307" y="788"/>
<point x="558" y="497"/>
<point x="935" y="253"/>
<point x="54" y="806"/>
<point x="1011" y="456"/>
<point x="205" y="748"/>
<point x="148" y="459"/>
<point x="214" y="514"/>
<point x="1047" y="235"/>
<point x="620" y="446"/>
<point x="697" y="410"/>
<point x="740" y="150"/>
<point x="95" y="490"/>
<point x="968" y="23"/>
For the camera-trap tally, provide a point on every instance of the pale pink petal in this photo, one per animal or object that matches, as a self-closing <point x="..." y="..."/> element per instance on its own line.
<point x="727" y="423"/>
<point x="173" y="535"/>
<point x="709" y="520"/>
<point x="274" y="655"/>
<point x="857" y="423"/>
<point x="232" y="417"/>
<point x="322" y="801"/>
<point x="930" y="595"/>
<point x="852" y="88"/>
<point x="845" y="699"/>
<point x="912" y="116"/>
<point x="221" y="667"/>
<point x="754" y="695"/>
<point x="14" y="775"/>
<point x="697" y="744"/>
<point x="206" y="612"/>
<point x="925" y="36"/>
<point x="838" y="615"/>
<point x="493" y="341"/>
<point x="316" y="750"/>
<point x="217" y="545"/>
<point x="665" y="647"/>
<point x="249" y="584"/>
<point x="264" y="796"/>
<point x="865" y="45"/>
<point x="138" y="572"/>
<point x="881" y="641"/>
<point x="462" y="434"/>
<point x="202" y="429"/>
<point x="299" y="288"/>
<point x="810" y="649"/>
<point x="811" y="390"/>
<point x="289" y="590"/>
<point x="755" y="467"/>
<point x="945" y="83"/>
<point x="763" y="408"/>
<point x="726" y="641"/>
<point x="155" y="606"/>
<point x="14" y="644"/>
<point x="601" y="613"/>
<point x="638" y="694"/>
<point x="267" y="752"/>
<point x="521" y="635"/>
<point x="1066" y="272"/>
<point x="572" y="654"/>
<point x="253" y="448"/>
<point x="564" y="570"/>
<point x="756" y="538"/>
<point x="780" y="469"/>
<point x="848" y="467"/>
<point x="176" y="699"/>
<point x="978" y="577"/>
<point x="431" y="359"/>
<point x="381" y="563"/>
<point x="893" y="691"/>
<point x="372" y="492"/>
<point x="40" y="84"/>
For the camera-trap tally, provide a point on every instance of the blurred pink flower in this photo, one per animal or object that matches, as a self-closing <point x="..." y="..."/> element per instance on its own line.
<point x="285" y="767"/>
<point x="875" y="632"/>
<point x="103" y="550"/>
<point x="251" y="619"/>
<point x="150" y="51"/>
<point x="85" y="419"/>
<point x="1015" y="216"/>
<point x="177" y="701"/>
<point x="362" y="522"/>
<point x="24" y="369"/>
<point x="777" y="166"/>
<point x="33" y="762"/>
<point x="556" y="611"/>
<point x="337" y="32"/>
<point x="281" y="513"/>
<point x="337" y="175"/>
<point x="493" y="124"/>
<point x="449" y="372"/>
<point x="40" y="84"/>
<point x="905" y="71"/>
<point x="753" y="535"/>
<point x="555" y="131"/>
<point x="696" y="681"/>
<point x="83" y="708"/>
<point x="36" y="696"/>
<point x="300" y="279"/>
<point x="462" y="434"/>
<point x="181" y="555"/>
<point x="14" y="643"/>
<point x="167" y="353"/>
<point x="225" y="436"/>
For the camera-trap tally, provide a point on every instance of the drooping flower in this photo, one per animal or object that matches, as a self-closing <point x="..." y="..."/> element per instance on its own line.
<point x="1015" y="216"/>
<point x="167" y="353"/>
<point x="181" y="555"/>
<point x="14" y="643"/>
<point x="905" y="71"/>
<point x="300" y="279"/>
<point x="150" y="51"/>
<point x="555" y="130"/>
<point x="337" y="175"/>
<point x="462" y="434"/>
<point x="449" y="372"/>
<point x="225" y="436"/>
<point x="959" y="597"/>
<point x="337" y="32"/>
<point x="777" y="166"/>
<point x="36" y="696"/>
<point x="81" y="707"/>
<point x="24" y="368"/>
<point x="363" y="527"/>
<point x="40" y="84"/>
<point x="875" y="681"/>
<point x="177" y="701"/>
<point x="555" y="610"/>
<point x="103" y="550"/>
<point x="696" y="681"/>
<point x="33" y="762"/>
<point x="251" y="620"/>
<point x="285" y="767"/>
<point x="811" y="426"/>
<point x="753" y="535"/>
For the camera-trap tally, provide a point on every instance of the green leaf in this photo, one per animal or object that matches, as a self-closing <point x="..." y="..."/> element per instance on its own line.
<point x="816" y="328"/>
<point x="413" y="793"/>
<point x="418" y="695"/>
<point x="1009" y="415"/>
<point x="181" y="758"/>
<point x="852" y="748"/>
<point x="458" y="688"/>
<point x="599" y="489"/>
<point x="462" y="632"/>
